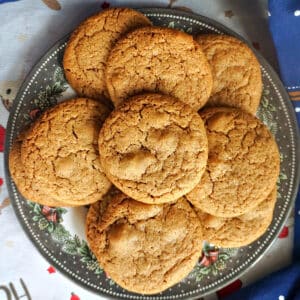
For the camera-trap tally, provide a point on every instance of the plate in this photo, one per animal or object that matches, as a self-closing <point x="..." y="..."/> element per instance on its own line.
<point x="58" y="233"/>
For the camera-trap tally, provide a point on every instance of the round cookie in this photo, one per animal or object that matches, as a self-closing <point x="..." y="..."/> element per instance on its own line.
<point x="145" y="248"/>
<point x="153" y="59"/>
<point x="243" y="163"/>
<point x="19" y="176"/>
<point x="89" y="45"/>
<point x="97" y="209"/>
<point x="60" y="153"/>
<point x="236" y="72"/>
<point x="153" y="148"/>
<point x="239" y="231"/>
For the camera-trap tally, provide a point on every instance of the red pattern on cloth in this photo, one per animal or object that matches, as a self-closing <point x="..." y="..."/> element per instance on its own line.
<point x="229" y="289"/>
<point x="51" y="270"/>
<point x="2" y="138"/>
<point x="74" y="297"/>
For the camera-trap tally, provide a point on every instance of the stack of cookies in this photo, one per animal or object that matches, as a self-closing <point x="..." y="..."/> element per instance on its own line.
<point x="178" y="158"/>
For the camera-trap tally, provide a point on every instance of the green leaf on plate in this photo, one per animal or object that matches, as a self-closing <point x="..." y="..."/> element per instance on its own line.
<point x="35" y="218"/>
<point x="37" y="208"/>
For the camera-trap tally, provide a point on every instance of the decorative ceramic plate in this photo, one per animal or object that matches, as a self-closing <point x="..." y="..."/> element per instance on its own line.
<point x="58" y="233"/>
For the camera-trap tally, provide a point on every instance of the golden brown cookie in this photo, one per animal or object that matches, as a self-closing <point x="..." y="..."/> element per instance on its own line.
<point x="238" y="231"/>
<point x="145" y="248"/>
<point x="243" y="163"/>
<point x="153" y="59"/>
<point x="236" y="72"/>
<point x="88" y="48"/>
<point x="97" y="209"/>
<point x="153" y="148"/>
<point x="18" y="173"/>
<point x="60" y="154"/>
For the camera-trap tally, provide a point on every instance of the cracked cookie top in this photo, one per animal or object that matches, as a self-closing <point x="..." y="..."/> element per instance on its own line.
<point x="238" y="231"/>
<point x="18" y="174"/>
<point x="243" y="163"/>
<point x="60" y="153"/>
<point x="145" y="248"/>
<point x="163" y="60"/>
<point x="236" y="72"/>
<point x="153" y="148"/>
<point x="89" y="45"/>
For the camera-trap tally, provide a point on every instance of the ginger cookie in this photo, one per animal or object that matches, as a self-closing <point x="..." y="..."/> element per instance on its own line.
<point x="238" y="231"/>
<point x="97" y="209"/>
<point x="163" y="60"/>
<point x="153" y="148"/>
<point x="18" y="173"/>
<point x="145" y="248"/>
<point x="89" y="45"/>
<point x="60" y="153"/>
<point x="243" y="163"/>
<point x="236" y="72"/>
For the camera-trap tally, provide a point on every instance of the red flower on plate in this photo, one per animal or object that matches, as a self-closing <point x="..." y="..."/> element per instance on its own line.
<point x="52" y="217"/>
<point x="50" y="214"/>
<point x="209" y="256"/>
<point x="213" y="255"/>
<point x="205" y="261"/>
<point x="46" y="210"/>
<point x="74" y="297"/>
<point x="229" y="289"/>
<point x="2" y="138"/>
<point x="51" y="270"/>
<point x="284" y="232"/>
<point x="1" y="181"/>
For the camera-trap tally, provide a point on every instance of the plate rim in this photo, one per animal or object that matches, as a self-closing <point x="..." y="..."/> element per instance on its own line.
<point x="277" y="83"/>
